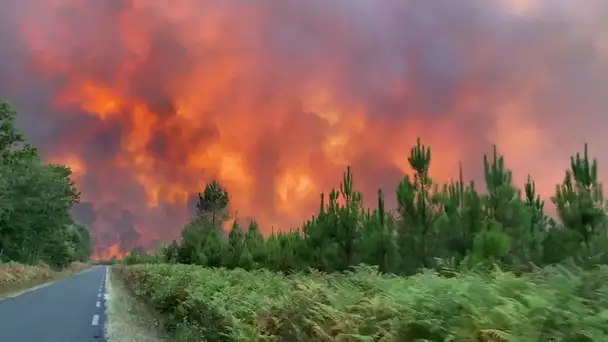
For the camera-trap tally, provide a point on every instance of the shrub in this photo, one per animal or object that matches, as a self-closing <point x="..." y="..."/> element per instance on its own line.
<point x="550" y="304"/>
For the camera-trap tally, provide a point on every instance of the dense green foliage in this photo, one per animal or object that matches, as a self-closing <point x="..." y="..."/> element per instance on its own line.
<point x="452" y="263"/>
<point x="35" y="204"/>
<point x="434" y="226"/>
<point x="551" y="304"/>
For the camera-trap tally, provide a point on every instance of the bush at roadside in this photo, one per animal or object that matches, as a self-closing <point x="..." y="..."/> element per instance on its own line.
<point x="77" y="266"/>
<point x="14" y="274"/>
<point x="222" y="305"/>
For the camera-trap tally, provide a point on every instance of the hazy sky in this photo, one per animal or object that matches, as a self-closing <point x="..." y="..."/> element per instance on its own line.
<point x="148" y="100"/>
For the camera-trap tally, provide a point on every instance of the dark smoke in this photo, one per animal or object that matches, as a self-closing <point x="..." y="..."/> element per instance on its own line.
<point x="463" y="75"/>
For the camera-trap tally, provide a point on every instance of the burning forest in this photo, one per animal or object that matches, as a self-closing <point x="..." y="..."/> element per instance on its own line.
<point x="147" y="101"/>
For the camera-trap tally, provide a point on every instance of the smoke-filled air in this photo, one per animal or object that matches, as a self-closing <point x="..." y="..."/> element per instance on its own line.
<point x="149" y="100"/>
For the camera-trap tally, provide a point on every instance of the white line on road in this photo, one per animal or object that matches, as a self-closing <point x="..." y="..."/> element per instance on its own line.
<point x="99" y="295"/>
<point x="98" y="304"/>
<point x="95" y="320"/>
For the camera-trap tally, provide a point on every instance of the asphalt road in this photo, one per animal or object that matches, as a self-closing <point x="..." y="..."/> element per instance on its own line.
<point x="69" y="310"/>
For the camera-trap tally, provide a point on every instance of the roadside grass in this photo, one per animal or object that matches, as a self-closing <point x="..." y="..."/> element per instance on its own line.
<point x="16" y="278"/>
<point x="127" y="318"/>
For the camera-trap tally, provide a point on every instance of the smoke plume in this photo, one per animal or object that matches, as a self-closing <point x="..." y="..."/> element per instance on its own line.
<point x="147" y="100"/>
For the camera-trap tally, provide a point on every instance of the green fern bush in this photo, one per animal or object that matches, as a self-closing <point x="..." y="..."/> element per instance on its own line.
<point x="203" y="304"/>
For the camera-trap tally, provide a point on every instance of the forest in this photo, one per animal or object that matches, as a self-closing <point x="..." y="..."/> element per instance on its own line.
<point x="457" y="225"/>
<point x="453" y="261"/>
<point x="36" y="198"/>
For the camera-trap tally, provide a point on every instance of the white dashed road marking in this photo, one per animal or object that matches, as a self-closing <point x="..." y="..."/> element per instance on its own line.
<point x="100" y="292"/>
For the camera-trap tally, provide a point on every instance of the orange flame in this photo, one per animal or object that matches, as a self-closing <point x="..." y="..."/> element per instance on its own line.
<point x="111" y="252"/>
<point x="275" y="101"/>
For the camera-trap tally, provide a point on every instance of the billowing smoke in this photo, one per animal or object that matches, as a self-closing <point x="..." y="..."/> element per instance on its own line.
<point x="147" y="100"/>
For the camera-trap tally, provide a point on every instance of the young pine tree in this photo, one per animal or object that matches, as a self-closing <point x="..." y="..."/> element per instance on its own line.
<point x="581" y="207"/>
<point x="378" y="238"/>
<point x="419" y="205"/>
<point x="348" y="223"/>
<point x="237" y="248"/>
<point x="504" y="211"/>
<point x="464" y="218"/>
<point x="535" y="227"/>
<point x="256" y="249"/>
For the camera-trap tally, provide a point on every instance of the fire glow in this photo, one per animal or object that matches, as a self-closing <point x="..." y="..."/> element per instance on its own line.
<point x="275" y="99"/>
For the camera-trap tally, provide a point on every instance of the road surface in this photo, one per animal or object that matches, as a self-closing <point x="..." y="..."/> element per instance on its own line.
<point x="69" y="310"/>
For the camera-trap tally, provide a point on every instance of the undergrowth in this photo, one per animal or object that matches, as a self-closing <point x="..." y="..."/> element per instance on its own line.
<point x="13" y="275"/>
<point x="204" y="304"/>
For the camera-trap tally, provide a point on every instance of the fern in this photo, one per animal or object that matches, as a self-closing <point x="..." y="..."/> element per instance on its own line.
<point x="493" y="335"/>
<point x="552" y="304"/>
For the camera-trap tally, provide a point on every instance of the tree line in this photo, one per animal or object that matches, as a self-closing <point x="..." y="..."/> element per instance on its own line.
<point x="36" y="199"/>
<point x="444" y="226"/>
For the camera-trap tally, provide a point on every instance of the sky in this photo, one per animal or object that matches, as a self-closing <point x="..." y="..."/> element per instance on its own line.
<point x="148" y="100"/>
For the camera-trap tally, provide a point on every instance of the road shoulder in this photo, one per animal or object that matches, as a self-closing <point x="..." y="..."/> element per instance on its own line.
<point x="15" y="290"/>
<point x="127" y="319"/>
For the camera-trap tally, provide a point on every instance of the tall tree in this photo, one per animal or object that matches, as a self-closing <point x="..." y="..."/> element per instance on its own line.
<point x="35" y="203"/>
<point x="213" y="203"/>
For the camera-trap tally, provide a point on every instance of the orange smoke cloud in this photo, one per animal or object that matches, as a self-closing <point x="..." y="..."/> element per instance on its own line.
<point x="113" y="251"/>
<point x="149" y="100"/>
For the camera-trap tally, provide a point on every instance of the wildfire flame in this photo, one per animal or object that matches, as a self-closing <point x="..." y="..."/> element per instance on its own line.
<point x="147" y="101"/>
